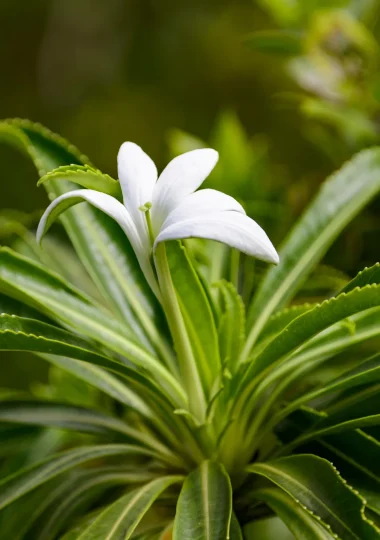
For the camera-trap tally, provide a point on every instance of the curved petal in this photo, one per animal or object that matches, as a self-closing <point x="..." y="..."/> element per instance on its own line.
<point x="137" y="176"/>
<point x="232" y="228"/>
<point x="200" y="203"/>
<point x="182" y="176"/>
<point x="110" y="206"/>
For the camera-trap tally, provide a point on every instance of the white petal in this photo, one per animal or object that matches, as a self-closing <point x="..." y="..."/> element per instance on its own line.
<point x="200" y="203"/>
<point x="110" y="206"/>
<point x="182" y="176"/>
<point x="232" y="228"/>
<point x="137" y="176"/>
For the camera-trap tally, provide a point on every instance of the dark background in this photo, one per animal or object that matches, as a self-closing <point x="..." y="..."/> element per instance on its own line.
<point x="100" y="73"/>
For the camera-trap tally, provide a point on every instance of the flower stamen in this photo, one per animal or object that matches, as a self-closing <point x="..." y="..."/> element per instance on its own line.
<point x="146" y="209"/>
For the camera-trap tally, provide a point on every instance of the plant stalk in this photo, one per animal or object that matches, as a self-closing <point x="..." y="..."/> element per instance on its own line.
<point x="188" y="367"/>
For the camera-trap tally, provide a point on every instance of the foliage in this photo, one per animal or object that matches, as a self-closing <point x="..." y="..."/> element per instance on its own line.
<point x="333" y="56"/>
<point x="289" y="426"/>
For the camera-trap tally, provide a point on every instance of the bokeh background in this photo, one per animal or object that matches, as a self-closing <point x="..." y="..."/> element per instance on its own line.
<point x="286" y="90"/>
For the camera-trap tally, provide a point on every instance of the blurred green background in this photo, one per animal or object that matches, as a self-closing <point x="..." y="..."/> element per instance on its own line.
<point x="286" y="90"/>
<point x="100" y="73"/>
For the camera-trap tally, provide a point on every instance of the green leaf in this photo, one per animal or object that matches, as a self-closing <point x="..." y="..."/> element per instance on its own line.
<point x="121" y="518"/>
<point x="10" y="306"/>
<point x="35" y="285"/>
<point x="24" y="481"/>
<point x="299" y="520"/>
<point x="20" y="334"/>
<point x="368" y="276"/>
<point x="81" y="495"/>
<point x="59" y="256"/>
<point x="62" y="415"/>
<point x="366" y="373"/>
<point x="86" y="177"/>
<point x="100" y="243"/>
<point x="101" y="379"/>
<point x="196" y="311"/>
<point x="204" y="506"/>
<point x="284" y="42"/>
<point x="34" y="336"/>
<point x="329" y="427"/>
<point x="56" y="501"/>
<point x="313" y="483"/>
<point x="235" y="530"/>
<point x="280" y="320"/>
<point x="356" y="455"/>
<point x="304" y="327"/>
<point x="339" y="200"/>
<point x="231" y="325"/>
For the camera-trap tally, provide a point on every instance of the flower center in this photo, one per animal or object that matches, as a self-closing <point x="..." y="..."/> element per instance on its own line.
<point x="146" y="209"/>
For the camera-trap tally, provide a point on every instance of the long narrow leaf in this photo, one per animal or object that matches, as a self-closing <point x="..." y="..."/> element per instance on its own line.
<point x="30" y="282"/>
<point x="17" y="334"/>
<point x="340" y="198"/>
<point x="196" y="311"/>
<point x="314" y="483"/>
<point x="121" y="518"/>
<point x="101" y="245"/>
<point x="311" y="323"/>
<point x="24" y="481"/>
<point x="101" y="379"/>
<point x="299" y="520"/>
<point x="65" y="416"/>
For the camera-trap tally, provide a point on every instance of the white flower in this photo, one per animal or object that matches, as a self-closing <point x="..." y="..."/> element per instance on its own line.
<point x="169" y="207"/>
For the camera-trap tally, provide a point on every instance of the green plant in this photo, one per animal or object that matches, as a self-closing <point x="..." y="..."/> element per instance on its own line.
<point x="332" y="54"/>
<point x="264" y="408"/>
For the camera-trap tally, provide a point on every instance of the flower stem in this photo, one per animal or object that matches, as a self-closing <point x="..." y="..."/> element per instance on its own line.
<point x="189" y="373"/>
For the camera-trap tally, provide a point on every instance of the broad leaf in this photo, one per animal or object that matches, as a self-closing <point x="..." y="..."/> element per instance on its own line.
<point x="204" y="506"/>
<point x="313" y="483"/>
<point x="339" y="200"/>
<point x="121" y="518"/>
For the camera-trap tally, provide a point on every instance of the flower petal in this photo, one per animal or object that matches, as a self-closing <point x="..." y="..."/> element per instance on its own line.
<point x="137" y="176"/>
<point x="110" y="206"/>
<point x="182" y="176"/>
<point x="232" y="228"/>
<point x="202" y="202"/>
